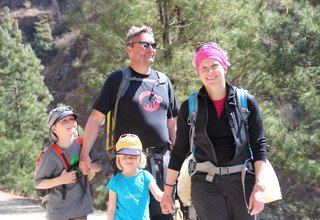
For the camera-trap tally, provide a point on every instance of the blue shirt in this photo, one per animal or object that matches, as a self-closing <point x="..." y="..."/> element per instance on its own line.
<point x="133" y="196"/>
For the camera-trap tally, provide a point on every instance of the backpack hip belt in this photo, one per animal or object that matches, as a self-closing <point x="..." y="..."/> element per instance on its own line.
<point x="208" y="167"/>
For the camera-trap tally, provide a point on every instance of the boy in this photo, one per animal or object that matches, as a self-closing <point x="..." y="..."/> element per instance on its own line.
<point x="69" y="197"/>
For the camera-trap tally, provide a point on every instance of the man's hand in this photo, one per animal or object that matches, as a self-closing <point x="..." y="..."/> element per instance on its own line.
<point x="85" y="164"/>
<point x="90" y="134"/>
<point x="68" y="177"/>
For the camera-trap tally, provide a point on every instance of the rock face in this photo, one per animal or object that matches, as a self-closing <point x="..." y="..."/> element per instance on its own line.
<point x="61" y="77"/>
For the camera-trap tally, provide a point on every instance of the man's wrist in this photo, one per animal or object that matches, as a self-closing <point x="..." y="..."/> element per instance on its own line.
<point x="170" y="185"/>
<point x="167" y="189"/>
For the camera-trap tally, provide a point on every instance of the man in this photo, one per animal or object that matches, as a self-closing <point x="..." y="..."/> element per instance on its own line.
<point x="148" y="109"/>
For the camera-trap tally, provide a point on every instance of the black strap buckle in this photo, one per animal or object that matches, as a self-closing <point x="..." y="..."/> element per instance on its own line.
<point x="191" y="166"/>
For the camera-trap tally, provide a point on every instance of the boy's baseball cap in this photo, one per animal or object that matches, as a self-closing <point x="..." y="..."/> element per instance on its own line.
<point x="56" y="115"/>
<point x="129" y="144"/>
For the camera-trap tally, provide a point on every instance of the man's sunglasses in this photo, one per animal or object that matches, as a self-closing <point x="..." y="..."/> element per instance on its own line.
<point x="145" y="44"/>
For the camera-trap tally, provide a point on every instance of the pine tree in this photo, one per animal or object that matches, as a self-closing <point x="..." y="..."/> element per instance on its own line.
<point x="24" y="99"/>
<point x="43" y="44"/>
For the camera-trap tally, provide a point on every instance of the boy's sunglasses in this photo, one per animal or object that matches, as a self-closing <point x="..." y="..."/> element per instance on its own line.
<point x="145" y="44"/>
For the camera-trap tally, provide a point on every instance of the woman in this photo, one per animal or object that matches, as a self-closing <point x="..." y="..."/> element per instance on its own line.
<point x="221" y="139"/>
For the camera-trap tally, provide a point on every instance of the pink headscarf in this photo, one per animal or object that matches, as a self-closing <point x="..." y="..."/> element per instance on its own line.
<point x="211" y="50"/>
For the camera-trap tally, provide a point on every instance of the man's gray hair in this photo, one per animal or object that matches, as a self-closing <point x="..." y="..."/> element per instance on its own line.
<point x="135" y="31"/>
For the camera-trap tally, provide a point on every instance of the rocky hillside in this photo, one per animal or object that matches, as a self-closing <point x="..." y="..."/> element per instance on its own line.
<point x="61" y="77"/>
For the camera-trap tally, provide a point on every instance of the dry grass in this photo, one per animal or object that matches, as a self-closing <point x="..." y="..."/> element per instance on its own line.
<point x="66" y="40"/>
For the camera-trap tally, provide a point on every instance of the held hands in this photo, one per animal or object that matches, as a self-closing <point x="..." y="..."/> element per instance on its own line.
<point x="167" y="205"/>
<point x="68" y="177"/>
<point x="85" y="164"/>
<point x="256" y="202"/>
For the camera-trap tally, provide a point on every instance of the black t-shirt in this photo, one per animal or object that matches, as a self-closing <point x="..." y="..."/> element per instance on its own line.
<point x="143" y="110"/>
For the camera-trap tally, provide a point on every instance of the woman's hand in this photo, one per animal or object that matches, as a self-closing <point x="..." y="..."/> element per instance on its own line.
<point x="256" y="202"/>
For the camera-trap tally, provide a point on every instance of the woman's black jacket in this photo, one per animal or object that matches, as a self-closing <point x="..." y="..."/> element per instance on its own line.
<point x="234" y="132"/>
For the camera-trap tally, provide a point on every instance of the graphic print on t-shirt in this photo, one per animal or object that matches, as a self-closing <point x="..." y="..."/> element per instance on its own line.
<point x="149" y="101"/>
<point x="74" y="164"/>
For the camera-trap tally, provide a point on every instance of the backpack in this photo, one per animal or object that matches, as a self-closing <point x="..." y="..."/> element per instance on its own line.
<point x="184" y="179"/>
<point x="43" y="194"/>
<point x="193" y="102"/>
<point x="111" y="116"/>
<point x="272" y="189"/>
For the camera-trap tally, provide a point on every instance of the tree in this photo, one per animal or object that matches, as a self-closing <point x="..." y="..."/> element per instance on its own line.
<point x="24" y="100"/>
<point x="43" y="41"/>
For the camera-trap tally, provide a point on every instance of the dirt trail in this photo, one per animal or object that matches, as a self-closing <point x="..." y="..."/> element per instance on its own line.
<point x="14" y="207"/>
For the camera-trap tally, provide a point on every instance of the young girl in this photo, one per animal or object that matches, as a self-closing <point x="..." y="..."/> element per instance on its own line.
<point x="69" y="196"/>
<point x="129" y="190"/>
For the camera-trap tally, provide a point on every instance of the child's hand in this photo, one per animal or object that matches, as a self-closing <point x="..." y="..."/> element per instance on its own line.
<point x="68" y="177"/>
<point x="85" y="164"/>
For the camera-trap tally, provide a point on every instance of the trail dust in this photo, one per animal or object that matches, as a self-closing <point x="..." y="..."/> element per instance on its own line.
<point x="14" y="207"/>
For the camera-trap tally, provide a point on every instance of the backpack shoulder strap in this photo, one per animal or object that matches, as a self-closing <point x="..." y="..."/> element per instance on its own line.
<point x="242" y="96"/>
<point x="193" y="110"/>
<point x="111" y="118"/>
<point x="123" y="87"/>
<point x="61" y="154"/>
<point x="80" y="141"/>
<point x="39" y="157"/>
<point x="193" y="103"/>
<point x="125" y="81"/>
<point x="162" y="78"/>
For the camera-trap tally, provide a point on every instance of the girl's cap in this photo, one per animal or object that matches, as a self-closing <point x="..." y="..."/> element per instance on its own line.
<point x="129" y="144"/>
<point x="56" y="115"/>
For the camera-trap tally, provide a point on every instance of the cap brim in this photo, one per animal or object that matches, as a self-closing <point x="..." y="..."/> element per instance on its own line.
<point x="65" y="114"/>
<point x="129" y="151"/>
